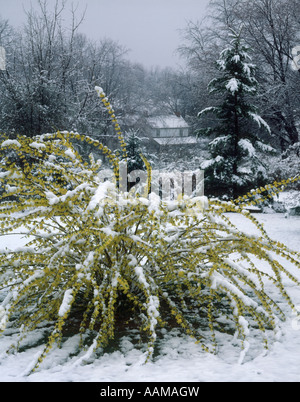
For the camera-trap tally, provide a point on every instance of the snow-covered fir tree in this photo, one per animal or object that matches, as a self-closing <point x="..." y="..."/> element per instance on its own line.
<point x="134" y="159"/>
<point x="134" y="151"/>
<point x="236" y="164"/>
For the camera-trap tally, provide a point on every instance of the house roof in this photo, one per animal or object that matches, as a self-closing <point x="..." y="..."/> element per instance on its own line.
<point x="176" y="141"/>
<point x="169" y="121"/>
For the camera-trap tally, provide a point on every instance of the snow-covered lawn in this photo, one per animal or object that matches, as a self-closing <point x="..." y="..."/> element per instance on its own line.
<point x="180" y="359"/>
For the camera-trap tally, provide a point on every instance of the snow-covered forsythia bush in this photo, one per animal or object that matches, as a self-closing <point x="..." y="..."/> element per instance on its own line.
<point x="105" y="258"/>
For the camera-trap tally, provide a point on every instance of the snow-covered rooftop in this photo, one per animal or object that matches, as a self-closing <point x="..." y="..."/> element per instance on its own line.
<point x="176" y="140"/>
<point x="169" y="121"/>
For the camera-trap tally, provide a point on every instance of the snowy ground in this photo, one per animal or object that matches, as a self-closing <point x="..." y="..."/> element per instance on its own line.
<point x="180" y="359"/>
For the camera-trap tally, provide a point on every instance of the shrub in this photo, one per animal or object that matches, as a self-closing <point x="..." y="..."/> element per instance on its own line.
<point x="107" y="257"/>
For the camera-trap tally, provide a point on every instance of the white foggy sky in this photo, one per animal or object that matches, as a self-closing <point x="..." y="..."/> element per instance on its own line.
<point x="149" y="28"/>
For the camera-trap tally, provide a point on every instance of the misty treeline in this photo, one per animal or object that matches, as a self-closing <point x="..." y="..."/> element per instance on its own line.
<point x="52" y="69"/>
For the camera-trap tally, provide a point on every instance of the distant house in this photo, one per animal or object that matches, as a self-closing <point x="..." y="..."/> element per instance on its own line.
<point x="170" y="130"/>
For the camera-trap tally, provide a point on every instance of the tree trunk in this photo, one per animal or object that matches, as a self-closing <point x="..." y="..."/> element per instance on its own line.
<point x="236" y="136"/>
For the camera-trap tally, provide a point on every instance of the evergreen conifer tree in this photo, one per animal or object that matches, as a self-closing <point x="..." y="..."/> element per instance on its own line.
<point x="235" y="165"/>
<point x="134" y="159"/>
